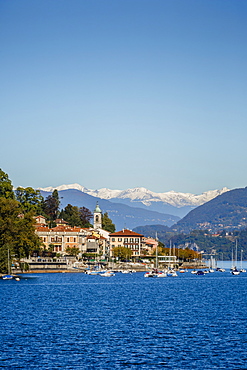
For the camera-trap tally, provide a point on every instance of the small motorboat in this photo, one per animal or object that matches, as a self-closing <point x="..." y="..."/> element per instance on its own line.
<point x="171" y="273"/>
<point x="200" y="272"/>
<point x="107" y="274"/>
<point x="7" y="277"/>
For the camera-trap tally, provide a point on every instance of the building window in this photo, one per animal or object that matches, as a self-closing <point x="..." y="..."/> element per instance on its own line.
<point x="126" y="240"/>
<point x="44" y="240"/>
<point x="67" y="240"/>
<point x="113" y="239"/>
<point x="119" y="239"/>
<point x="137" y="240"/>
<point x="74" y="240"/>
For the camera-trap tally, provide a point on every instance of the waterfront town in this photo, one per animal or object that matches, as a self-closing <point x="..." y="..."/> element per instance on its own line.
<point x="95" y="243"/>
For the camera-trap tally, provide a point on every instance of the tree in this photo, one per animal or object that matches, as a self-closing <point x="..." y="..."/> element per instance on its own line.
<point x="71" y="215"/>
<point x="6" y="187"/>
<point x="122" y="252"/>
<point x="85" y="216"/>
<point x="51" y="205"/>
<point x="30" y="199"/>
<point x="107" y="223"/>
<point x="17" y="233"/>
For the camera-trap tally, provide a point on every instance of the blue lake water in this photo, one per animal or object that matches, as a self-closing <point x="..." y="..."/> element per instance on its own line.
<point x="76" y="321"/>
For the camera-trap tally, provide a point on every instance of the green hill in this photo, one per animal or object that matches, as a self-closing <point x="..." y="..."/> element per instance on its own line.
<point x="225" y="212"/>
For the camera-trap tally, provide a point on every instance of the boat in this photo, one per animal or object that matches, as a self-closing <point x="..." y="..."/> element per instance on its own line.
<point x="150" y="274"/>
<point x="161" y="274"/>
<point x="9" y="276"/>
<point x="241" y="265"/>
<point x="171" y="273"/>
<point x="235" y="271"/>
<point x="193" y="272"/>
<point x="200" y="272"/>
<point x="107" y="274"/>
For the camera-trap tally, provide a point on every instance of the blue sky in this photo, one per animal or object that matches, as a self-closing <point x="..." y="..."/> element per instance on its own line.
<point x="124" y="93"/>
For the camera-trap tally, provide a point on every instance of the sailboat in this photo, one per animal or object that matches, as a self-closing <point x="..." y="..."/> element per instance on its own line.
<point x="241" y="265"/>
<point x="234" y="269"/>
<point x="9" y="276"/>
<point x="156" y="273"/>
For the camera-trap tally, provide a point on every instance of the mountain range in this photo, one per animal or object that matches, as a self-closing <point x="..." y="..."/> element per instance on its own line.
<point x="122" y="215"/>
<point x="134" y="207"/>
<point x="173" y="203"/>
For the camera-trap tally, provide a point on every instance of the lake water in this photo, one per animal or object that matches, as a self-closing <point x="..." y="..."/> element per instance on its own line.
<point x="77" y="321"/>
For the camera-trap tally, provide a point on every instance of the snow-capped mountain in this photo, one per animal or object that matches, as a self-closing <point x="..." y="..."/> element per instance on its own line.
<point x="145" y="197"/>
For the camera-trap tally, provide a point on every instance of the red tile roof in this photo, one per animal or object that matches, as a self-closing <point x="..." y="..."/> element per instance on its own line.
<point x="126" y="232"/>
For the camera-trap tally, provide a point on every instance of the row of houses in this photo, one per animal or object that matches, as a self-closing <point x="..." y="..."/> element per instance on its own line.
<point x="93" y="240"/>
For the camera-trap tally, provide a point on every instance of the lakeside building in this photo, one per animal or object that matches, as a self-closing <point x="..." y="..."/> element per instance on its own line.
<point x="150" y="245"/>
<point x="63" y="237"/>
<point x="128" y="239"/>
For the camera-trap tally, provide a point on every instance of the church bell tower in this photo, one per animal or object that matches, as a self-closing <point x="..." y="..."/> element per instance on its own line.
<point x="97" y="217"/>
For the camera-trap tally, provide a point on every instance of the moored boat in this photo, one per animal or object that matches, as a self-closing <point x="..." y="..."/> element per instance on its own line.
<point x="107" y="274"/>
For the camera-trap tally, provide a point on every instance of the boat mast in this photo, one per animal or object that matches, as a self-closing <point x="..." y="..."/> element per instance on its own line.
<point x="236" y="255"/>
<point x="9" y="267"/>
<point x="156" y="264"/>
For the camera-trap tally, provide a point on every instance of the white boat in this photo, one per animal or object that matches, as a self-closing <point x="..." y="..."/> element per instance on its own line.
<point x="193" y="272"/>
<point x="161" y="274"/>
<point x="149" y="274"/>
<point x="171" y="273"/>
<point x="107" y="274"/>
<point x="235" y="272"/>
<point x="155" y="274"/>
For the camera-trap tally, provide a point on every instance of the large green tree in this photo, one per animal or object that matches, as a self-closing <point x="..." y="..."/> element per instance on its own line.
<point x="76" y="216"/>
<point x="17" y="234"/>
<point x="71" y="215"/>
<point x="6" y="187"/>
<point x="51" y="205"/>
<point x="30" y="199"/>
<point x="122" y="252"/>
<point x="107" y="223"/>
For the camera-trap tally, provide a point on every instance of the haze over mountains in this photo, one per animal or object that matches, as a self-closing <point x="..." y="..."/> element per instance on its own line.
<point x="133" y="207"/>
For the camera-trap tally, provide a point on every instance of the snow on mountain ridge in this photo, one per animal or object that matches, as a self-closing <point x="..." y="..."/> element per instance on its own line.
<point x="146" y="196"/>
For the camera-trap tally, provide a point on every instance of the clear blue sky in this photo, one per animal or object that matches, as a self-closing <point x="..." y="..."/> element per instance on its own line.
<point x="124" y="93"/>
